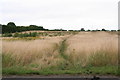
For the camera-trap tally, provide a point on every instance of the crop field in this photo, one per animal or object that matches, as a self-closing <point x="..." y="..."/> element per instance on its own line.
<point x="61" y="53"/>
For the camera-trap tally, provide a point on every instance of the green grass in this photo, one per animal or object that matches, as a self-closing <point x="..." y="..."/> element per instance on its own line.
<point x="62" y="49"/>
<point x="11" y="67"/>
<point x="19" y="70"/>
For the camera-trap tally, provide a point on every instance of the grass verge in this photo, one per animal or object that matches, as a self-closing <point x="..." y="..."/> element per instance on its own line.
<point x="105" y="70"/>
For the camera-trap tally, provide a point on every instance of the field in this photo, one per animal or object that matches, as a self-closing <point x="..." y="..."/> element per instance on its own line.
<point x="61" y="53"/>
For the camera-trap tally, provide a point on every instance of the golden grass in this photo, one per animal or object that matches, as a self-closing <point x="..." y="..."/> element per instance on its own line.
<point x="40" y="52"/>
<point x="85" y="48"/>
<point x="96" y="47"/>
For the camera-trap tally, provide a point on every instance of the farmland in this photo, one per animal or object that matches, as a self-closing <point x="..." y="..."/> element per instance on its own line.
<point x="60" y="52"/>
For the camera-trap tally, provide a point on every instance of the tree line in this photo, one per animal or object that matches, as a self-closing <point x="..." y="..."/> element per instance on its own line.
<point x="12" y="28"/>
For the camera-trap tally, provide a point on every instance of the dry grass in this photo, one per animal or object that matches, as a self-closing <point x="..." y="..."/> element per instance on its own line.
<point x="94" y="48"/>
<point x="40" y="52"/>
<point x="83" y="49"/>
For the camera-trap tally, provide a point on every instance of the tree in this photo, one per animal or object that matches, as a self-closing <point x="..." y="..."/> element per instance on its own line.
<point x="113" y="30"/>
<point x="103" y="29"/>
<point x="88" y="30"/>
<point x="12" y="27"/>
<point x="82" y="29"/>
<point x="12" y="24"/>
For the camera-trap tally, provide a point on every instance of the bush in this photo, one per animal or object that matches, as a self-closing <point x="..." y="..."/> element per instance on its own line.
<point x="16" y="35"/>
<point x="34" y="34"/>
<point x="7" y="35"/>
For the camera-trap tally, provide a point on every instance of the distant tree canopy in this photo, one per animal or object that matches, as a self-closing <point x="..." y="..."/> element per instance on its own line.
<point x="57" y="30"/>
<point x="103" y="29"/>
<point x="12" y="24"/>
<point x="11" y="28"/>
<point x="82" y="29"/>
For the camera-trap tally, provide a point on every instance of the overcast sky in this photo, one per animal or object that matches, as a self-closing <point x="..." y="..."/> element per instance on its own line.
<point x="57" y="14"/>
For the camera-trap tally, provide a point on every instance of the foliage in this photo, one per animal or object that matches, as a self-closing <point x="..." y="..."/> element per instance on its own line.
<point x="82" y="29"/>
<point x="34" y="34"/>
<point x="7" y="35"/>
<point x="113" y="30"/>
<point x="11" y="28"/>
<point x="103" y="29"/>
<point x="88" y="30"/>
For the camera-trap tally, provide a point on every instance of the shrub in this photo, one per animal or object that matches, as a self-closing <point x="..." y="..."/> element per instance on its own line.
<point x="7" y="35"/>
<point x="16" y="35"/>
<point x="34" y="34"/>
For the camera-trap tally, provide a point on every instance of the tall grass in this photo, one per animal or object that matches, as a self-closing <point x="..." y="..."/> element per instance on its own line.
<point x="40" y="53"/>
<point x="96" y="49"/>
<point x="62" y="53"/>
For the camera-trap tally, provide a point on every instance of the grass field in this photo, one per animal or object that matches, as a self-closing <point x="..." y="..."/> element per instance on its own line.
<point x="79" y="53"/>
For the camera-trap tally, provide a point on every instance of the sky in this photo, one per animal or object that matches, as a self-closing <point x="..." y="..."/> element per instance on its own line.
<point x="61" y="14"/>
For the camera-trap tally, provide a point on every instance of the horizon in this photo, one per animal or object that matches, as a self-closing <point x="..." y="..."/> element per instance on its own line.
<point x="58" y="29"/>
